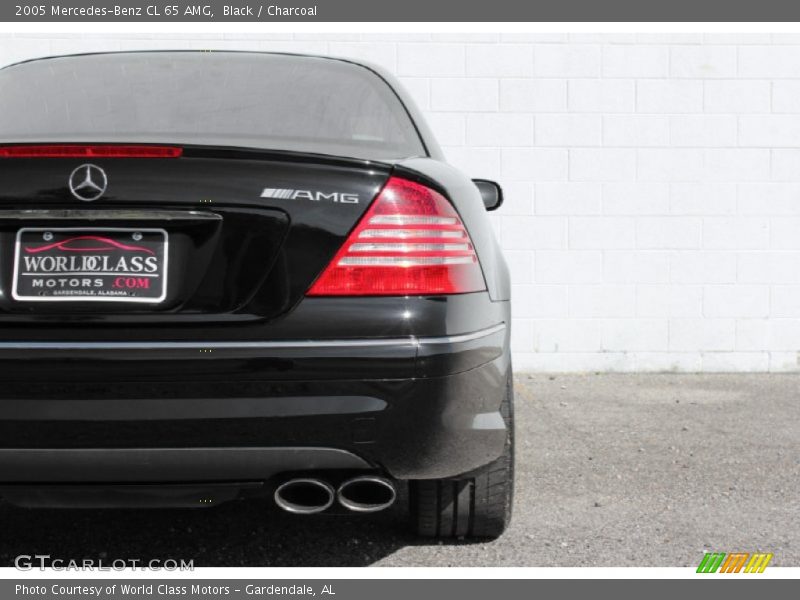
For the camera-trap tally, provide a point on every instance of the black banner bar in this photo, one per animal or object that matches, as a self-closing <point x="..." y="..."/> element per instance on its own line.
<point x="176" y="11"/>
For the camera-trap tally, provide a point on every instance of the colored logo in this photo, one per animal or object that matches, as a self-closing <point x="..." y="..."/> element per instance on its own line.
<point x="95" y="244"/>
<point x="735" y="562"/>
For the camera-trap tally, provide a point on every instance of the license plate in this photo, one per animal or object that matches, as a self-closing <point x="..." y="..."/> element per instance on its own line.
<point x="90" y="265"/>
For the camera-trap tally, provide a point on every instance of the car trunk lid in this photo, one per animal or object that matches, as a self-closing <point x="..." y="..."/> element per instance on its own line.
<point x="236" y="234"/>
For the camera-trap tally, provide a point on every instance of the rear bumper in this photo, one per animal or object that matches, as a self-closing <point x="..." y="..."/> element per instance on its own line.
<point x="412" y="407"/>
<point x="408" y="356"/>
<point x="154" y="465"/>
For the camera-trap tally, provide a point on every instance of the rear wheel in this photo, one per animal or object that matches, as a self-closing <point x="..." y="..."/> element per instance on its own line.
<point x="477" y="505"/>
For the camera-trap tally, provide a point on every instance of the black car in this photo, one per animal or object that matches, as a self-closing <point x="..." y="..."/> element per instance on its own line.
<point x="238" y="274"/>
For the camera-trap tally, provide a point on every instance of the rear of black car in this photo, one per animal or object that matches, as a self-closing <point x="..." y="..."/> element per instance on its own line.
<point x="228" y="274"/>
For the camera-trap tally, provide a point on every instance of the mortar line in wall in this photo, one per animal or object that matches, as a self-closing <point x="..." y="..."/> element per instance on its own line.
<point x="669" y="59"/>
<point x="569" y="165"/>
<point x="738" y="128"/>
<point x="769" y="300"/>
<point x="771" y="163"/>
<point x="636" y="107"/>
<point x="603" y="130"/>
<point x="771" y="97"/>
<point x="497" y="88"/>
<point x="703" y="96"/>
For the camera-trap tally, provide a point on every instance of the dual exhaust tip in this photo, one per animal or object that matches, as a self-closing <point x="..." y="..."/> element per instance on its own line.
<point x="308" y="496"/>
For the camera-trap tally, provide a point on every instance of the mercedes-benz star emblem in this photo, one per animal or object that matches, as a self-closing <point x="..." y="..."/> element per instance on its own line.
<point x="88" y="182"/>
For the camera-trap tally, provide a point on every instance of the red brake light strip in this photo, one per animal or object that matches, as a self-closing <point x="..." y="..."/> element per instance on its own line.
<point x="90" y="151"/>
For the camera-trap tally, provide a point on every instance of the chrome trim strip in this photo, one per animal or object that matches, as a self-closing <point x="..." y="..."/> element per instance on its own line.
<point x="410" y="341"/>
<point x="114" y="214"/>
<point x="464" y="337"/>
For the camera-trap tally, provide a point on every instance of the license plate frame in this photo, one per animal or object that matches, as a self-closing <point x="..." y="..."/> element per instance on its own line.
<point x="75" y="296"/>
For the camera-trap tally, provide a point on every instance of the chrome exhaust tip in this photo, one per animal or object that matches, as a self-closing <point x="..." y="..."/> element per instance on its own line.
<point x="366" y="494"/>
<point x="304" y="496"/>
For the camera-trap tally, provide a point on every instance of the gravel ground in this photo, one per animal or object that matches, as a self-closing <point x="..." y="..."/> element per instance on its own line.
<point x="613" y="470"/>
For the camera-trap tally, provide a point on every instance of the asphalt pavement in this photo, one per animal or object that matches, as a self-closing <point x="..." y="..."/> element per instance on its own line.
<point x="612" y="470"/>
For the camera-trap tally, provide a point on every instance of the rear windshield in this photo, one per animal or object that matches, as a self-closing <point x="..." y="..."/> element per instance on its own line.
<point x="295" y="103"/>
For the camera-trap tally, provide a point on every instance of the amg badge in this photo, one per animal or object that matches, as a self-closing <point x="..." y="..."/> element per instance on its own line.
<point x="288" y="194"/>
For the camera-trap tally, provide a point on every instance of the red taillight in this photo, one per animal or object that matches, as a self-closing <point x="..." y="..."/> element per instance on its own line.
<point x="410" y="242"/>
<point x="92" y="151"/>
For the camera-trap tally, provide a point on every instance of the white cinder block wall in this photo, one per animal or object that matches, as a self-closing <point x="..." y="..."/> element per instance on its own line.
<point x="652" y="181"/>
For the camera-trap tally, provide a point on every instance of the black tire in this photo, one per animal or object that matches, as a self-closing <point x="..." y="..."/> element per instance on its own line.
<point x="477" y="505"/>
